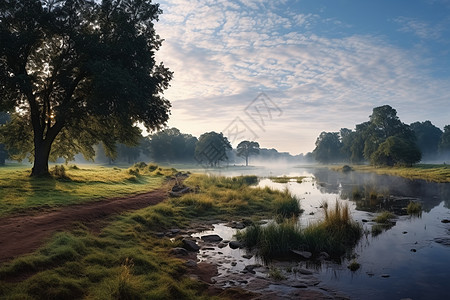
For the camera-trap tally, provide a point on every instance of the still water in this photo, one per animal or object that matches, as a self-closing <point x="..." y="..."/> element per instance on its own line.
<point x="410" y="259"/>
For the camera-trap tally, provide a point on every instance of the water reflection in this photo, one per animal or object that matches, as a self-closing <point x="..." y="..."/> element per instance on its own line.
<point x="401" y="260"/>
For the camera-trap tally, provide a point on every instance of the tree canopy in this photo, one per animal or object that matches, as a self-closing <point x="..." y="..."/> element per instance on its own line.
<point x="428" y="138"/>
<point x="170" y="145"/>
<point x="75" y="73"/>
<point x="247" y="148"/>
<point x="212" y="148"/>
<point x="383" y="140"/>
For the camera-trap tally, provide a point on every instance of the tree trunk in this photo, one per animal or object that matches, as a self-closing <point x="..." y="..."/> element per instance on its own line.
<point x="41" y="155"/>
<point x="246" y="160"/>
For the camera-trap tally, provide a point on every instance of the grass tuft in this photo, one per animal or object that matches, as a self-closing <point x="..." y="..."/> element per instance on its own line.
<point x="414" y="208"/>
<point x="384" y="217"/>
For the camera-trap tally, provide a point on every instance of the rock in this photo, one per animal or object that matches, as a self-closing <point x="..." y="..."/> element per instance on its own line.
<point x="174" y="231"/>
<point x="222" y="245"/>
<point x="233" y="263"/>
<point x="211" y="238"/>
<point x="445" y="221"/>
<point x="235" y="244"/>
<point x="247" y="256"/>
<point x="300" y="286"/>
<point x="405" y="232"/>
<point x="365" y="220"/>
<point x="208" y="249"/>
<point x="385" y="275"/>
<point x="179" y="251"/>
<point x="413" y="250"/>
<point x="302" y="254"/>
<point x="324" y="255"/>
<point x="190" y="245"/>
<point x="311" y="213"/>
<point x="160" y="234"/>
<point x="304" y="271"/>
<point x="250" y="268"/>
<point x="190" y="263"/>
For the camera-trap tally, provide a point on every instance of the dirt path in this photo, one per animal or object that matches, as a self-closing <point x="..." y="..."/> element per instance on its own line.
<point x="23" y="234"/>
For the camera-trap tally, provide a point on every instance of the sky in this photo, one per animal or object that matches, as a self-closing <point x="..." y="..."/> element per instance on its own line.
<point x="281" y="72"/>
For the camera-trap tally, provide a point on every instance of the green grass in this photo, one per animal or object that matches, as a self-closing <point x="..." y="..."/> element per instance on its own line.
<point x="226" y="197"/>
<point x="428" y="172"/>
<point x="20" y="192"/>
<point x="335" y="234"/>
<point x="384" y="217"/>
<point x="286" y="179"/>
<point x="125" y="260"/>
<point x="414" y="208"/>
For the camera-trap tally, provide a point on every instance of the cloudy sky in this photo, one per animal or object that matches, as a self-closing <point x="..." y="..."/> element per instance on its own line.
<point x="281" y="72"/>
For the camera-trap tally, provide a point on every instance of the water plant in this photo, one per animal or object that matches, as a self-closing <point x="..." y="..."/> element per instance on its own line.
<point x="335" y="234"/>
<point x="354" y="266"/>
<point x="385" y="217"/>
<point x="414" y="208"/>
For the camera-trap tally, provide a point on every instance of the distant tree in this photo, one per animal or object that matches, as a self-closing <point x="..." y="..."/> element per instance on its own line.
<point x="212" y="148"/>
<point x="170" y="145"/>
<point x="444" y="145"/>
<point x="428" y="138"/>
<point x="328" y="148"/>
<point x="247" y="148"/>
<point x="396" y="151"/>
<point x="79" y="73"/>
<point x="4" y="117"/>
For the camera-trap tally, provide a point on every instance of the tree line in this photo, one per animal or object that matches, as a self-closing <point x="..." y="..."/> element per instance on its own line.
<point x="384" y="140"/>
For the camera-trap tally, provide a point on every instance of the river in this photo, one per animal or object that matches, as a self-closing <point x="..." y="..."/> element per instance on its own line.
<point x="410" y="259"/>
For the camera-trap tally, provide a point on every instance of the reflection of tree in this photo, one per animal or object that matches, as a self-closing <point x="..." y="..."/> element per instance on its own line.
<point x="382" y="191"/>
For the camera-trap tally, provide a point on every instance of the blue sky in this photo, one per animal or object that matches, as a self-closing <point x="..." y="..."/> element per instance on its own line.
<point x="281" y="72"/>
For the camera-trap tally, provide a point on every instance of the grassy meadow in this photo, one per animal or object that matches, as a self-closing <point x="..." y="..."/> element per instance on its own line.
<point x="428" y="172"/>
<point x="19" y="192"/>
<point x="126" y="260"/>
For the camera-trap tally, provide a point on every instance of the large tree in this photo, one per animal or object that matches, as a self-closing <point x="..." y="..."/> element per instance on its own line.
<point x="328" y="147"/>
<point x="4" y="117"/>
<point x="247" y="148"/>
<point x="212" y="148"/>
<point x="428" y="138"/>
<point x="76" y="73"/>
<point x="444" y="145"/>
<point x="170" y="145"/>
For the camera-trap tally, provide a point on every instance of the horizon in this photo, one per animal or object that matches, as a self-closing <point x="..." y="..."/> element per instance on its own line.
<point x="318" y="65"/>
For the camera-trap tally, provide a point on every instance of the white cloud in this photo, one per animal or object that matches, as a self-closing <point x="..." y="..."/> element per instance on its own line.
<point x="223" y="55"/>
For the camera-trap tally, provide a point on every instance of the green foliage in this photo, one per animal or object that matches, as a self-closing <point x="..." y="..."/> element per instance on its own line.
<point x="276" y="274"/>
<point x="170" y="145"/>
<point x="383" y="140"/>
<point x="335" y="234"/>
<point x="247" y="148"/>
<point x="444" y="144"/>
<point x="328" y="148"/>
<point x="86" y="84"/>
<point x="211" y="148"/>
<point x="384" y="217"/>
<point x="414" y="208"/>
<point x="396" y="151"/>
<point x="354" y="266"/>
<point x="428" y="138"/>
<point x="287" y="206"/>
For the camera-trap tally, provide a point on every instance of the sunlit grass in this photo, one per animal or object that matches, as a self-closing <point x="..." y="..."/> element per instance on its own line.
<point x="385" y="217"/>
<point x="414" y="208"/>
<point x="234" y="195"/>
<point x="21" y="192"/>
<point x="428" y="172"/>
<point x="286" y="179"/>
<point x="335" y="234"/>
<point x="125" y="261"/>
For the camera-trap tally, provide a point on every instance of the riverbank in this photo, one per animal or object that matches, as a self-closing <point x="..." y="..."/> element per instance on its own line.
<point x="427" y="172"/>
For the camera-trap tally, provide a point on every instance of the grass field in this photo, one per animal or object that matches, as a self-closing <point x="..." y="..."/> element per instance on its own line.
<point x="19" y="192"/>
<point x="428" y="172"/>
<point x="125" y="260"/>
